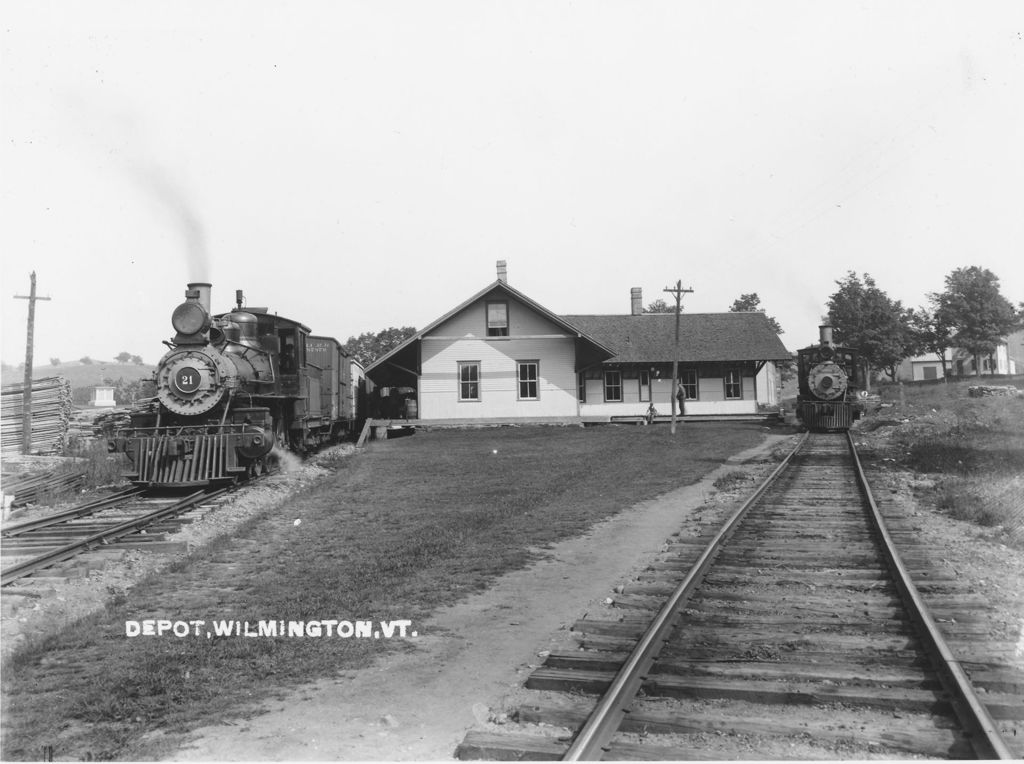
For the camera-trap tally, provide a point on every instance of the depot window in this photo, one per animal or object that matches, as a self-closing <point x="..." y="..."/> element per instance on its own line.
<point x="613" y="386"/>
<point x="528" y="375"/>
<point x="497" y="319"/>
<point x="469" y="380"/>
<point x="733" y="384"/>
<point x="688" y="381"/>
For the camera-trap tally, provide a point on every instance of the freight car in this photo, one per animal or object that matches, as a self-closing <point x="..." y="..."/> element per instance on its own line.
<point x="234" y="388"/>
<point x="830" y="385"/>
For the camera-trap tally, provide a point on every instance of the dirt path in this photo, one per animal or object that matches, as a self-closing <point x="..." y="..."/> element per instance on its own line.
<point x="469" y="658"/>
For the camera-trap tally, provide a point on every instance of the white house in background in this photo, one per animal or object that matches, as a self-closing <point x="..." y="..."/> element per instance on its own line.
<point x="500" y="356"/>
<point x="103" y="396"/>
<point x="960" y="363"/>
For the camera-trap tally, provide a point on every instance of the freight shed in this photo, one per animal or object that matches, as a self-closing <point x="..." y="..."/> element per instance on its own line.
<point x="728" y="364"/>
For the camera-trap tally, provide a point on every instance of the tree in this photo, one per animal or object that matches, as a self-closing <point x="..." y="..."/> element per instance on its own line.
<point x="660" y="306"/>
<point x="979" y="315"/>
<point x="54" y="362"/>
<point x="370" y="346"/>
<point x="137" y="360"/>
<point x="85" y="360"/>
<point x="750" y="303"/>
<point x="129" y="391"/>
<point x="931" y="333"/>
<point x="866" y="319"/>
<point x="123" y="357"/>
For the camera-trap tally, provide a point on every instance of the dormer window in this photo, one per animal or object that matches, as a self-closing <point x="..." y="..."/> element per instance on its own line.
<point x="497" y="319"/>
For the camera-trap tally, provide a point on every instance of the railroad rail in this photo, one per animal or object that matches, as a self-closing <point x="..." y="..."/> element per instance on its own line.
<point x="82" y="510"/>
<point x="95" y="533"/>
<point x="800" y="598"/>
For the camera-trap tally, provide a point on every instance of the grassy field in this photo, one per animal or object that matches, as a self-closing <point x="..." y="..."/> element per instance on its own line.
<point x="972" y="447"/>
<point x="81" y="374"/>
<point x="395" y="532"/>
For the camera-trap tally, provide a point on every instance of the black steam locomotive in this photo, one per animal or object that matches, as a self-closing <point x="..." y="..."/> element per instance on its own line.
<point x="232" y="388"/>
<point x="830" y="385"/>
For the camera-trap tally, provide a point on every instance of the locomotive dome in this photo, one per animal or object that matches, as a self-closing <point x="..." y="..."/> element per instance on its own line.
<point x="241" y="327"/>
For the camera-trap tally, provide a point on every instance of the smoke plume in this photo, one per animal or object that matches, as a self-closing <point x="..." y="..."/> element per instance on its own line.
<point x="123" y="141"/>
<point x="174" y="201"/>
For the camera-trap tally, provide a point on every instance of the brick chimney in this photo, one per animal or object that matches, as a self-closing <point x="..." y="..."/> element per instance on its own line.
<point x="502" y="272"/>
<point x="636" y="298"/>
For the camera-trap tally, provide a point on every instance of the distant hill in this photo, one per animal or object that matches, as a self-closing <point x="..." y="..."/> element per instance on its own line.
<point x="82" y="374"/>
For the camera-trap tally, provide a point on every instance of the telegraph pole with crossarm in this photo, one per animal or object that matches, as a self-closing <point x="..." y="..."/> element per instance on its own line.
<point x="678" y="291"/>
<point x="26" y="401"/>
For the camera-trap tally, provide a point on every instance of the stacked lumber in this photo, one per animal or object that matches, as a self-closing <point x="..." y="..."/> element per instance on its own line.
<point x="80" y="428"/>
<point x="107" y="422"/>
<point x="985" y="391"/>
<point x="51" y="413"/>
<point x="89" y="425"/>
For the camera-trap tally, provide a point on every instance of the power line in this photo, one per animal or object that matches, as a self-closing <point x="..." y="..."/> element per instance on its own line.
<point x="26" y="401"/>
<point x="678" y="291"/>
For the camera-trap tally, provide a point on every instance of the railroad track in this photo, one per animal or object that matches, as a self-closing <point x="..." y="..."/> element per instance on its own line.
<point x="794" y="631"/>
<point x="128" y="518"/>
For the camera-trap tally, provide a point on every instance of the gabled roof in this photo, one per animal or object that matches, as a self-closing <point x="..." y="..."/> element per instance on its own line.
<point x="703" y="337"/>
<point x="497" y="286"/>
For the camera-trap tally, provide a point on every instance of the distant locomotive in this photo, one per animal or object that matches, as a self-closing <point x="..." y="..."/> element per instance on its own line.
<point x="231" y="389"/>
<point x="830" y="385"/>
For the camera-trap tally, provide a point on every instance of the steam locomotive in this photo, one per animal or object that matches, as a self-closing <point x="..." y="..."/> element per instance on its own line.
<point x="830" y="385"/>
<point x="233" y="388"/>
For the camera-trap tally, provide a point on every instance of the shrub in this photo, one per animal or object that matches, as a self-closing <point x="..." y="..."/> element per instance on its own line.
<point x="100" y="468"/>
<point x="730" y="480"/>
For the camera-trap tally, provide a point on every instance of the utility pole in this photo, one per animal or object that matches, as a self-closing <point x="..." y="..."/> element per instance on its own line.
<point x="678" y="291"/>
<point x="26" y="401"/>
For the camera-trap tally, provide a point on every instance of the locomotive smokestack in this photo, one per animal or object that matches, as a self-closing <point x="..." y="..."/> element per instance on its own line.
<point x="204" y="293"/>
<point x="825" y="334"/>
<point x="636" y="300"/>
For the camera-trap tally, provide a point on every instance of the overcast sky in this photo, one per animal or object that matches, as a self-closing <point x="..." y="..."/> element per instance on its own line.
<point x="359" y="165"/>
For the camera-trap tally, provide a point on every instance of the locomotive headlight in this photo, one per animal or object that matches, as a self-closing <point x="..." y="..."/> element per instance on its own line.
<point x="190" y="318"/>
